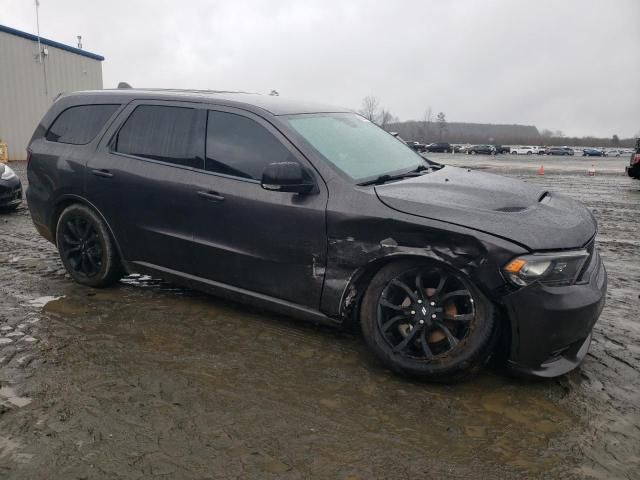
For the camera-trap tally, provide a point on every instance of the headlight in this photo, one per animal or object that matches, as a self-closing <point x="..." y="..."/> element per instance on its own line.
<point x="6" y="173"/>
<point x="560" y="268"/>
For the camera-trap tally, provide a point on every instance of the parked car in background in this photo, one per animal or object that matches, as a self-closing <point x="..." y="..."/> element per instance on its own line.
<point x="541" y="150"/>
<point x="10" y="188"/>
<point x="416" y="146"/>
<point x="633" y="170"/>
<point x="592" y="152"/>
<point x="562" y="151"/>
<point x="502" y="149"/>
<point x="612" y="153"/>
<point x="277" y="204"/>
<point x="439" y="147"/>
<point x="523" y="150"/>
<point x="461" y="148"/>
<point x="481" y="149"/>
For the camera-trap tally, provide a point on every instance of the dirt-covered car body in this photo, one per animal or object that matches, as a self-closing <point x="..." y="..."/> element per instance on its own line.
<point x="633" y="170"/>
<point x="10" y="188"/>
<point x="312" y="254"/>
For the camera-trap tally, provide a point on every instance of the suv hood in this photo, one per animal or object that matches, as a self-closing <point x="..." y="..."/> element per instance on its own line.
<point x="521" y="212"/>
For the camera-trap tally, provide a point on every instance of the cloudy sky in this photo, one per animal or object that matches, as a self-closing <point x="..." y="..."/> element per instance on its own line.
<point x="569" y="65"/>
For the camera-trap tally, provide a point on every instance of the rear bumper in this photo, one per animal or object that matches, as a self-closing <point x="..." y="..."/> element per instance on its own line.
<point x="552" y="326"/>
<point x="633" y="171"/>
<point x="10" y="192"/>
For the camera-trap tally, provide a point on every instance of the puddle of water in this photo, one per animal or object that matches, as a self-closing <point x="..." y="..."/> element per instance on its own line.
<point x="42" y="301"/>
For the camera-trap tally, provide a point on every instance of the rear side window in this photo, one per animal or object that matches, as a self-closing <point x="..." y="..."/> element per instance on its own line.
<point x="160" y="133"/>
<point x="79" y="125"/>
<point x="241" y="147"/>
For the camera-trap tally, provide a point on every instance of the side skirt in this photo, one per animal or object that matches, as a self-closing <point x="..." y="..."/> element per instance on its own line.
<point x="235" y="294"/>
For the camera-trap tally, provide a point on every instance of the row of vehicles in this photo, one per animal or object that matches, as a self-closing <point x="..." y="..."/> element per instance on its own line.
<point x="487" y="149"/>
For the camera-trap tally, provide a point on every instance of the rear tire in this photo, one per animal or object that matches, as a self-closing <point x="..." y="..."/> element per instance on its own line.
<point x="86" y="247"/>
<point x="425" y="320"/>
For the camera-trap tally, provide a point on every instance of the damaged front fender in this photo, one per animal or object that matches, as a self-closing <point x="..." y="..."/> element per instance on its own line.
<point x="353" y="259"/>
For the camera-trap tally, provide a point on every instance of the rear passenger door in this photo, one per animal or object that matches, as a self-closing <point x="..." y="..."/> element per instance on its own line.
<point x="142" y="180"/>
<point x="264" y="241"/>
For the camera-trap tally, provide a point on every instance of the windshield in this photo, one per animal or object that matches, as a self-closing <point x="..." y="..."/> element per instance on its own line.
<point x="355" y="145"/>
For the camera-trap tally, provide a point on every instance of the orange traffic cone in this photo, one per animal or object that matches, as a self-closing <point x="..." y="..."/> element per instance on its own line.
<point x="541" y="170"/>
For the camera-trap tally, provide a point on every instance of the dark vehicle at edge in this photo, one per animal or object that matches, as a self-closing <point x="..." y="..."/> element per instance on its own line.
<point x="274" y="203"/>
<point x="633" y="170"/>
<point x="560" y="151"/>
<point x="10" y="188"/>
<point x="439" y="147"/>
<point x="502" y="149"/>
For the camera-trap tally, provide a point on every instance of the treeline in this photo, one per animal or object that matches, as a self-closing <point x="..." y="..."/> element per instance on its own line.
<point x="437" y="129"/>
<point x="482" y="133"/>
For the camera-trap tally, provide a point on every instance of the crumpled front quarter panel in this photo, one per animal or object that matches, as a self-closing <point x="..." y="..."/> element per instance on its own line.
<point x="363" y="232"/>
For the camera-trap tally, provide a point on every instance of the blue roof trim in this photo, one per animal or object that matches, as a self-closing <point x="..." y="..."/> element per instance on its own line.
<point x="51" y="43"/>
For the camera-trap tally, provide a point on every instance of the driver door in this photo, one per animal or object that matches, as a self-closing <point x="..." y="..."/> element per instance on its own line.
<point x="269" y="242"/>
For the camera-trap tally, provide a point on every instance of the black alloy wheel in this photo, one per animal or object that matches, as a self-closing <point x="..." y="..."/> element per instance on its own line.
<point x="81" y="246"/>
<point x="87" y="248"/>
<point x="425" y="314"/>
<point x="427" y="320"/>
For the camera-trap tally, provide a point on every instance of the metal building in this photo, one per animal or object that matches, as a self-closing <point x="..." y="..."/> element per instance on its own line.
<point x="32" y="74"/>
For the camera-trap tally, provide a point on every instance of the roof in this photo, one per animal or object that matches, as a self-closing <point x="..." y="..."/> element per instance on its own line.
<point x="275" y="105"/>
<point x="51" y="43"/>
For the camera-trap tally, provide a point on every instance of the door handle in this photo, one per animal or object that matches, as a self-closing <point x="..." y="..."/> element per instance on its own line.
<point x="102" y="173"/>
<point x="214" y="196"/>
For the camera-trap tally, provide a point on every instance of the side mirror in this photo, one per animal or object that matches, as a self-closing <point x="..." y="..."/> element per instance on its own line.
<point x="286" y="177"/>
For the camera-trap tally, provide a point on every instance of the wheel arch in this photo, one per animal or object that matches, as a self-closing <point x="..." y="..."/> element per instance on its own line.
<point x="358" y="282"/>
<point x="70" y="199"/>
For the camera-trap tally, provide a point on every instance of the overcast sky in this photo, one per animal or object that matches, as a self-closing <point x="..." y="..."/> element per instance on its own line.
<point x="570" y="65"/>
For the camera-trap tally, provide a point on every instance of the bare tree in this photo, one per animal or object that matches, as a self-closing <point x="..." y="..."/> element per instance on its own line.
<point x="386" y="118"/>
<point x="442" y="123"/>
<point x="370" y="108"/>
<point x="427" y="119"/>
<point x="615" y="141"/>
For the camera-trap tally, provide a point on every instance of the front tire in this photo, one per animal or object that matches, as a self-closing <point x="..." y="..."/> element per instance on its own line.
<point x="86" y="247"/>
<point x="426" y="320"/>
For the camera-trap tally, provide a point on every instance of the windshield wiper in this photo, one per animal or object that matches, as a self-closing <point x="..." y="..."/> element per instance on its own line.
<point x="379" y="180"/>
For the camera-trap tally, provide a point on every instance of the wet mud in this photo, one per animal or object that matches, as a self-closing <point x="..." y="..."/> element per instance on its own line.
<point x="149" y="380"/>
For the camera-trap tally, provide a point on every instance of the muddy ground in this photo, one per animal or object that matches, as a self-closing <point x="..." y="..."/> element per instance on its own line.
<point x="148" y="380"/>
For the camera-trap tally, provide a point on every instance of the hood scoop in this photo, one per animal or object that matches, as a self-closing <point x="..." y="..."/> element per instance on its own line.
<point x="510" y="209"/>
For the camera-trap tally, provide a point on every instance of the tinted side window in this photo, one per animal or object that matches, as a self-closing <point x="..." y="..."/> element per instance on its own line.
<point x="79" y="125"/>
<point x="241" y="147"/>
<point x="160" y="133"/>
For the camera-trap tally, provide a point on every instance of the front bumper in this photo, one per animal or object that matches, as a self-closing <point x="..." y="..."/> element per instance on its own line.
<point x="551" y="327"/>
<point x="10" y="192"/>
<point x="633" y="171"/>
